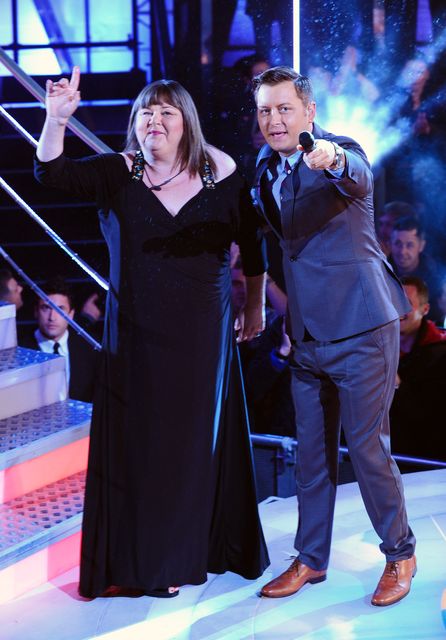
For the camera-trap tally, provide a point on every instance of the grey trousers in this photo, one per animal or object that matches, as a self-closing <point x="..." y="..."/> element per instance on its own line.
<point x="349" y="382"/>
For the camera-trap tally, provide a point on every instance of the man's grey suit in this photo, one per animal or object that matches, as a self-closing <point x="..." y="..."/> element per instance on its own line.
<point x="344" y="304"/>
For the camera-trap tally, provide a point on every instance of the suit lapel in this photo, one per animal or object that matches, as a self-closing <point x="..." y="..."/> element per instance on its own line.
<point x="266" y="157"/>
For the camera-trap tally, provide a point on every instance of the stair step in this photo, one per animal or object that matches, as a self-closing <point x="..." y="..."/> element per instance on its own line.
<point x="23" y="182"/>
<point x="70" y="220"/>
<point x="20" y="151"/>
<point x="40" y="517"/>
<point x="35" y="257"/>
<point x="8" y="327"/>
<point x="29" y="380"/>
<point x="42" y="446"/>
<point x="36" y="432"/>
<point x="40" y="535"/>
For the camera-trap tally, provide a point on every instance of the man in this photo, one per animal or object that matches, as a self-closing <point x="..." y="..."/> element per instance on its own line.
<point x="409" y="259"/>
<point x="10" y="289"/>
<point x="238" y="129"/>
<point x="54" y="336"/>
<point x="344" y="309"/>
<point x="416" y="429"/>
<point x="385" y="223"/>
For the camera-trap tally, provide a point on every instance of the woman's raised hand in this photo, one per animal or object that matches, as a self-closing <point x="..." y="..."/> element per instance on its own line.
<point x="63" y="97"/>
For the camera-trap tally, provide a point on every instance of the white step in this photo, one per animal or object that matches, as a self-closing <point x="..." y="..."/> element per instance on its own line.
<point x="29" y="380"/>
<point x="43" y="446"/>
<point x="40" y="535"/>
<point x="8" y="328"/>
<point x="40" y="517"/>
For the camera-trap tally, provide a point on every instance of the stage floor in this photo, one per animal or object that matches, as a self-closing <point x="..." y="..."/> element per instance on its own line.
<point x="227" y="606"/>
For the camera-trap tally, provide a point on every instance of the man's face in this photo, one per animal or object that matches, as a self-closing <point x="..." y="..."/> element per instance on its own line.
<point x="51" y="324"/>
<point x="14" y="295"/>
<point x="411" y="322"/>
<point x="238" y="291"/>
<point x="414" y="75"/>
<point x="283" y="116"/>
<point x="406" y="250"/>
<point x="384" y="226"/>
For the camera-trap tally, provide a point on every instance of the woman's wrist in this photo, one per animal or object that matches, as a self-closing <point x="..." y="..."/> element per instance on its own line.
<point x="57" y="121"/>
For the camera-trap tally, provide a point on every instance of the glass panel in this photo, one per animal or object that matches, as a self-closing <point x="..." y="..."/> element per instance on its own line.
<point x="5" y="22"/>
<point x="70" y="19"/>
<point x="38" y="61"/>
<point x="30" y="28"/>
<point x="111" y="59"/>
<point x="110" y="20"/>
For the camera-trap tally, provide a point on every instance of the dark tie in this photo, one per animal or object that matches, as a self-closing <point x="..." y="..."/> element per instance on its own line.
<point x="56" y="347"/>
<point x="266" y="186"/>
<point x="286" y="188"/>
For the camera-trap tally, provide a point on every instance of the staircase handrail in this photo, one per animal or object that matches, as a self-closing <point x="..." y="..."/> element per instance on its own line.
<point x="79" y="130"/>
<point x="18" y="127"/>
<point x="91" y="140"/>
<point x="36" y="90"/>
<point x="32" y="285"/>
<point x="57" y="239"/>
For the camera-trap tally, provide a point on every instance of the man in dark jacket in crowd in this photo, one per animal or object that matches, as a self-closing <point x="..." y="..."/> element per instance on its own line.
<point x="416" y="428"/>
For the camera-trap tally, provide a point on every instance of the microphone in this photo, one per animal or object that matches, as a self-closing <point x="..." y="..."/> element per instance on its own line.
<point x="306" y="140"/>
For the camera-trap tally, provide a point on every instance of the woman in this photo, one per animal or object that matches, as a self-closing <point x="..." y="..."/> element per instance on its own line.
<point x="170" y="492"/>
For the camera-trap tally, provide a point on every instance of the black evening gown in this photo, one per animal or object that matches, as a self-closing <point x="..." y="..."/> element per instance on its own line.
<point x="170" y="490"/>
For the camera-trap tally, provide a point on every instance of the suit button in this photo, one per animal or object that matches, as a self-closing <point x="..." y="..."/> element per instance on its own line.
<point x="293" y="258"/>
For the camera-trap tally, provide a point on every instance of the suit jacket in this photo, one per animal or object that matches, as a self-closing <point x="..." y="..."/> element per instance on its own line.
<point x="338" y="280"/>
<point x="83" y="362"/>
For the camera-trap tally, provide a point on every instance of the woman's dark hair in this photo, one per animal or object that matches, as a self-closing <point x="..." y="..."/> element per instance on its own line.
<point x="192" y="148"/>
<point x="276" y="75"/>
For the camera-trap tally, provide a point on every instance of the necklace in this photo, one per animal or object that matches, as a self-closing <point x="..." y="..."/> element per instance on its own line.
<point x="157" y="187"/>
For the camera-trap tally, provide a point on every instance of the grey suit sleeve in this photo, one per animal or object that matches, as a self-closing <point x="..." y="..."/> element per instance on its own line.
<point x="356" y="180"/>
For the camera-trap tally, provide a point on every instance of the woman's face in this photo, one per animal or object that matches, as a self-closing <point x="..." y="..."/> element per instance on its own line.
<point x="159" y="128"/>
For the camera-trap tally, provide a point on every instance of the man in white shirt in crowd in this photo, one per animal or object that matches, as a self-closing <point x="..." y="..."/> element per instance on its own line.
<point x="53" y="335"/>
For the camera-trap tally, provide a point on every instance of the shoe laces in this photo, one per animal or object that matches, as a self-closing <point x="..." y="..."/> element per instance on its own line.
<point x="392" y="569"/>
<point x="294" y="566"/>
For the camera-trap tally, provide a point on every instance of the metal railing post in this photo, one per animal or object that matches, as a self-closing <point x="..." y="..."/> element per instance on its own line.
<point x="36" y="90"/>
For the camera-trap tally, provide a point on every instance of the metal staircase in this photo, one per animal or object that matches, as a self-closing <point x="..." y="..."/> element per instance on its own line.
<point x="43" y="457"/>
<point x="76" y="221"/>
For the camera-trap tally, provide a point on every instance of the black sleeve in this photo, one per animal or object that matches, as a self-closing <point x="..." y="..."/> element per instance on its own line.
<point x="94" y="178"/>
<point x="250" y="235"/>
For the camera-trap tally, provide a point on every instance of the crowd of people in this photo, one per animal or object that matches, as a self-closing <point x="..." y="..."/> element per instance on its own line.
<point x="352" y="336"/>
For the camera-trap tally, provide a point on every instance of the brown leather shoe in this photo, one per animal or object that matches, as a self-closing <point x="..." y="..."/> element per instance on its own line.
<point x="291" y="580"/>
<point x="395" y="582"/>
